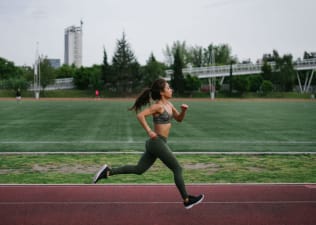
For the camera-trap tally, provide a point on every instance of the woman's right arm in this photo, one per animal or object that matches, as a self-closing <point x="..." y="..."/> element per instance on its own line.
<point x="142" y="119"/>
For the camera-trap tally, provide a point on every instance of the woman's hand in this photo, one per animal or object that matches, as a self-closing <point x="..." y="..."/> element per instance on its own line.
<point x="184" y="107"/>
<point x="152" y="134"/>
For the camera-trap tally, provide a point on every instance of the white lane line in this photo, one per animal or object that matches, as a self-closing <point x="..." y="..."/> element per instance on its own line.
<point x="130" y="140"/>
<point x="177" y="153"/>
<point x="157" y="203"/>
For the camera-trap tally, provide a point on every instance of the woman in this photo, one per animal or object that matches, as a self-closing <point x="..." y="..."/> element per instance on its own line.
<point x="156" y="147"/>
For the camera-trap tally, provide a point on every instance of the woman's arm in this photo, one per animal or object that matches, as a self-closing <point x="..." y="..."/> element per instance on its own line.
<point x="142" y="118"/>
<point x="179" y="116"/>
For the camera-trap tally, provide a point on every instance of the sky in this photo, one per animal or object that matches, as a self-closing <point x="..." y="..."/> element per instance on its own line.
<point x="250" y="27"/>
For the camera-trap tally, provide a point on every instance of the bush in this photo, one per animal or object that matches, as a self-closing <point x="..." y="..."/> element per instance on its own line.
<point x="255" y="82"/>
<point x="266" y="86"/>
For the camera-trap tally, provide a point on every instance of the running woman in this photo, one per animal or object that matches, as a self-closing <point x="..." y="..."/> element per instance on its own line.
<point x="162" y="112"/>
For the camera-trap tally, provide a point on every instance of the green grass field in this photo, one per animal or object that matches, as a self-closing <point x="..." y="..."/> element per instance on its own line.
<point x="220" y="126"/>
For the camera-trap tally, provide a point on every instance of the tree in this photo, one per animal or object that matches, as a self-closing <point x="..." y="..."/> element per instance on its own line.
<point x="82" y="78"/>
<point x="47" y="73"/>
<point x="170" y="52"/>
<point x="283" y="73"/>
<point x="209" y="55"/>
<point x="288" y="72"/>
<point x="8" y="69"/>
<point x="152" y="70"/>
<point x="266" y="87"/>
<point x="241" y="84"/>
<point x="105" y="68"/>
<point x="122" y="62"/>
<point x="222" y="54"/>
<point x="255" y="82"/>
<point x="16" y="83"/>
<point x="192" y="83"/>
<point x="196" y="56"/>
<point x="65" y="71"/>
<point x="177" y="80"/>
<point x="95" y="77"/>
<point x="135" y="75"/>
<point x="266" y="70"/>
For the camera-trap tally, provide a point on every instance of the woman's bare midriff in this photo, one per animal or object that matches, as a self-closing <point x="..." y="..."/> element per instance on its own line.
<point x="163" y="129"/>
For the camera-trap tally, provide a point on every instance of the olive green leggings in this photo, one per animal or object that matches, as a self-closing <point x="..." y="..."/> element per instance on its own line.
<point x="156" y="148"/>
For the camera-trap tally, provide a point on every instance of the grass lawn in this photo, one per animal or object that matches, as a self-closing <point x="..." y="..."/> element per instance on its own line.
<point x="220" y="126"/>
<point x="210" y="126"/>
<point x="80" y="169"/>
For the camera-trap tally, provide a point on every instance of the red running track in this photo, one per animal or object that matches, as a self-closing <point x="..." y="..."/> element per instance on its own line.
<point x="240" y="204"/>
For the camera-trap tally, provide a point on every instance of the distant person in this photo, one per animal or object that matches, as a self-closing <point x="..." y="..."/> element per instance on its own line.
<point x="97" y="94"/>
<point x="18" y="95"/>
<point x="162" y="112"/>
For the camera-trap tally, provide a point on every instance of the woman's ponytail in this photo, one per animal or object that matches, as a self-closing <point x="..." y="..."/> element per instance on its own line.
<point x="149" y="93"/>
<point x="142" y="99"/>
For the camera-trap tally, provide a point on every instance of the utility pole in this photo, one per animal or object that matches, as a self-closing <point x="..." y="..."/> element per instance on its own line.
<point x="37" y="73"/>
<point x="231" y="78"/>
<point x="212" y="80"/>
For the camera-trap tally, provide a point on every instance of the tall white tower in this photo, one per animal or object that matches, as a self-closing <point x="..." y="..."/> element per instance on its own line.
<point x="73" y="45"/>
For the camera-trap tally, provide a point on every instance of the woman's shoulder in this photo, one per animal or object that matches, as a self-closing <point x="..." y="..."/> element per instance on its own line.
<point x="157" y="107"/>
<point x="170" y="103"/>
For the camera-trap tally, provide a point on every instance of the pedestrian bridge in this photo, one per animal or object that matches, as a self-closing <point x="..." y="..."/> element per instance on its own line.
<point x="212" y="72"/>
<point x="239" y="69"/>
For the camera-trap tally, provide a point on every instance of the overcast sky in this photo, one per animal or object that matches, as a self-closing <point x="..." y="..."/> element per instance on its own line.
<point x="250" y="27"/>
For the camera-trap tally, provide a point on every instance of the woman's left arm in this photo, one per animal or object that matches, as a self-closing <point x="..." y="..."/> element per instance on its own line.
<point x="179" y="116"/>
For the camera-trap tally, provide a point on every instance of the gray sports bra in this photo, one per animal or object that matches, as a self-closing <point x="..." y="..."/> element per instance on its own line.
<point x="163" y="118"/>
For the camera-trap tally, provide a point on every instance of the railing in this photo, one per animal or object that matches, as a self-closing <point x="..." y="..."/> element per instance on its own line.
<point x="63" y="83"/>
<point x="240" y="69"/>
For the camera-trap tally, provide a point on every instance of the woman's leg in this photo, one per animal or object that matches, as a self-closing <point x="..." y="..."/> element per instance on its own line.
<point x="161" y="150"/>
<point x="144" y="163"/>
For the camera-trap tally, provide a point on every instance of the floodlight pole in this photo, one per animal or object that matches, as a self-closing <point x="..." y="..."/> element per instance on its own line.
<point x="37" y="73"/>
<point x="212" y="80"/>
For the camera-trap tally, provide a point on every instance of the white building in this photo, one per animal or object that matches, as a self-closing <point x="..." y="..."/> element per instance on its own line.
<point x="73" y="45"/>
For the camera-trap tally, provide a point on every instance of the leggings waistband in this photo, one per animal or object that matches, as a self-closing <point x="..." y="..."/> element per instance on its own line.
<point x="160" y="137"/>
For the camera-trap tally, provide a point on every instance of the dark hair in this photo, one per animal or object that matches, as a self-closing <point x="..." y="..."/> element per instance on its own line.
<point x="147" y="93"/>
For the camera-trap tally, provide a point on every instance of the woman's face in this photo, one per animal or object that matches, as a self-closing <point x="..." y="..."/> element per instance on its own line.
<point x="167" y="91"/>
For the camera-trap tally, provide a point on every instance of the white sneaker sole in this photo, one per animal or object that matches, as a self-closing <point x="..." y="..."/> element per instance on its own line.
<point x="96" y="177"/>
<point x="198" y="202"/>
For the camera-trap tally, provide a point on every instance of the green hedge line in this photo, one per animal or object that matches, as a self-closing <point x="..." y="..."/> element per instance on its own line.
<point x="74" y="93"/>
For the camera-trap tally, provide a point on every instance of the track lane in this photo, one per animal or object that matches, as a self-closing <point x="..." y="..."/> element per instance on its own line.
<point x="156" y="204"/>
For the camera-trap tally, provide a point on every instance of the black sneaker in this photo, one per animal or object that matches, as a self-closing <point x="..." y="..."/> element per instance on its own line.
<point x="102" y="173"/>
<point x="193" y="200"/>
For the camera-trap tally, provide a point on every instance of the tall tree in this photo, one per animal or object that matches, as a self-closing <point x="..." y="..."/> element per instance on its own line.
<point x="177" y="80"/>
<point x="123" y="61"/>
<point x="105" y="68"/>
